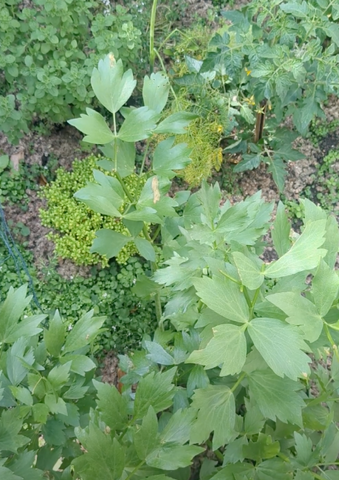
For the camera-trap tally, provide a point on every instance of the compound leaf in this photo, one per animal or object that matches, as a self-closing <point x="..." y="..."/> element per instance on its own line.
<point x="94" y="126"/>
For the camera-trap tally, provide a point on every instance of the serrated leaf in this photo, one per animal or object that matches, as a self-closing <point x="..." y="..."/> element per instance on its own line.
<point x="138" y="125"/>
<point x="197" y="379"/>
<point x="263" y="447"/>
<point x="276" y="397"/>
<point x="111" y="85"/>
<point x="176" y="123"/>
<point x="278" y="169"/>
<point x="54" y="337"/>
<point x="325" y="285"/>
<point x="305" y="254"/>
<point x="59" y="375"/>
<point x="223" y="297"/>
<point x="281" y="231"/>
<point x="22" y="394"/>
<point x="228" y="347"/>
<point x="247" y="114"/>
<point x="249" y="162"/>
<point x="145" y="248"/>
<point x="273" y="468"/>
<point x="304" y="448"/>
<point x="112" y="404"/>
<point x="178" y="428"/>
<point x="104" y="457"/>
<point x="109" y="243"/>
<point x="158" y="354"/>
<point x="12" y="309"/>
<point x="145" y="438"/>
<point x="154" y="389"/>
<point x="280" y="346"/>
<point x="155" y="91"/>
<point x="100" y="198"/>
<point x="167" y="158"/>
<point x="83" y="332"/>
<point x="94" y="126"/>
<point x="300" y="311"/>
<point x="10" y="426"/>
<point x="216" y="413"/>
<point x="210" y="197"/>
<point x="303" y="115"/>
<point x="23" y="466"/>
<point x="249" y="271"/>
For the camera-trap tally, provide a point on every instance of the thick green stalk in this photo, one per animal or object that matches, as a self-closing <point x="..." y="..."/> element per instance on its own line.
<point x="151" y="35"/>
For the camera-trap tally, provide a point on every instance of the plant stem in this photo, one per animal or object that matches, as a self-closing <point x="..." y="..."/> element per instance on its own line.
<point x="217" y="453"/>
<point x="237" y="383"/>
<point x="135" y="470"/>
<point x="144" y="157"/>
<point x="151" y="35"/>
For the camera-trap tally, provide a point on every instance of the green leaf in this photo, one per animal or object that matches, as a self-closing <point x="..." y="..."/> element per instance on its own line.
<point x="10" y="426"/>
<point x="155" y="91"/>
<point x="305" y="254"/>
<point x="111" y="85"/>
<point x="138" y="125"/>
<point x="262" y="448"/>
<point x="158" y="354"/>
<point x="94" y="126"/>
<point x="109" y="243"/>
<point x="4" y="161"/>
<point x="298" y="10"/>
<point x="274" y="468"/>
<point x="23" y="466"/>
<point x="104" y="457"/>
<point x="178" y="428"/>
<point x="216" y="413"/>
<point x="276" y="397"/>
<point x="249" y="162"/>
<point x="172" y="457"/>
<point x="59" y="375"/>
<point x="145" y="248"/>
<point x="197" y="379"/>
<point x="83" y="332"/>
<point x="145" y="438"/>
<point x="300" y="311"/>
<point x="26" y="328"/>
<point x="281" y="231"/>
<point x="331" y="241"/>
<point x="303" y="115"/>
<point x="280" y="346"/>
<point x="241" y="471"/>
<point x="7" y="474"/>
<point x="12" y="309"/>
<point x="223" y="297"/>
<point x="249" y="271"/>
<point x="176" y="123"/>
<point x="210" y="197"/>
<point x="278" y="169"/>
<point x="154" y="389"/>
<point x="54" y="337"/>
<point x="304" y="448"/>
<point x="325" y="285"/>
<point x="228" y="347"/>
<point x="167" y="158"/>
<point x="22" y="394"/>
<point x="125" y="153"/>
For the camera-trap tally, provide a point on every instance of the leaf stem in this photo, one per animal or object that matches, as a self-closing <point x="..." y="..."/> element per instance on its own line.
<point x="135" y="470"/>
<point x="231" y="278"/>
<point x="217" y="452"/>
<point x="237" y="383"/>
<point x="151" y="35"/>
<point x="144" y="157"/>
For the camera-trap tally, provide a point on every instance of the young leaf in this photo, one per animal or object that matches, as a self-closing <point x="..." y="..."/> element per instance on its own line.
<point x="249" y="271"/>
<point x="280" y="346"/>
<point x="305" y="254"/>
<point x="176" y="123"/>
<point x="111" y="85"/>
<point x="138" y="125"/>
<point x="216" y="413"/>
<point x="155" y="91"/>
<point x="223" y="297"/>
<point x="156" y="390"/>
<point x="276" y="397"/>
<point x="210" y="197"/>
<point x="94" y="126"/>
<point x="167" y="158"/>
<point x="83" y="332"/>
<point x="145" y="438"/>
<point x="104" y="457"/>
<point x="109" y="243"/>
<point x="227" y="347"/>
<point x="281" y="231"/>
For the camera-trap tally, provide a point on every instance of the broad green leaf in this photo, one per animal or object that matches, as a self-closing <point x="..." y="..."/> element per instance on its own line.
<point x="178" y="428"/>
<point x="59" y="375"/>
<point x="108" y="242"/>
<point x="263" y="447"/>
<point x="55" y="404"/>
<point x="281" y="231"/>
<point x="249" y="162"/>
<point x="12" y="309"/>
<point x="18" y="356"/>
<point x="54" y="337"/>
<point x="22" y="394"/>
<point x="304" y="448"/>
<point x="154" y="389"/>
<point x="274" y="468"/>
<point x="155" y="91"/>
<point x="158" y="354"/>
<point x="234" y="451"/>
<point x="300" y="311"/>
<point x="111" y="85"/>
<point x="4" y="161"/>
<point x="54" y="432"/>
<point x="104" y="457"/>
<point x="238" y="471"/>
<point x="94" y="126"/>
<point x="10" y="426"/>
<point x="145" y="438"/>
<point x="249" y="271"/>
<point x="5" y="473"/>
<point x="143" y="214"/>
<point x="303" y="115"/>
<point x="276" y="397"/>
<point x="305" y="254"/>
<point x="138" y="125"/>
<point x="228" y="347"/>
<point x="26" y="328"/>
<point x="83" y="332"/>
<point x="172" y="457"/>
<point x="22" y="465"/>
<point x="168" y="158"/>
<point x="176" y="123"/>
<point x="223" y="297"/>
<point x="145" y="248"/>
<point x="210" y="197"/>
<point x="197" y="379"/>
<point x="216" y="413"/>
<point x="298" y="10"/>
<point x="154" y="195"/>
<point x="280" y="346"/>
<point x="125" y="153"/>
<point x="331" y="241"/>
<point x="254" y="419"/>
